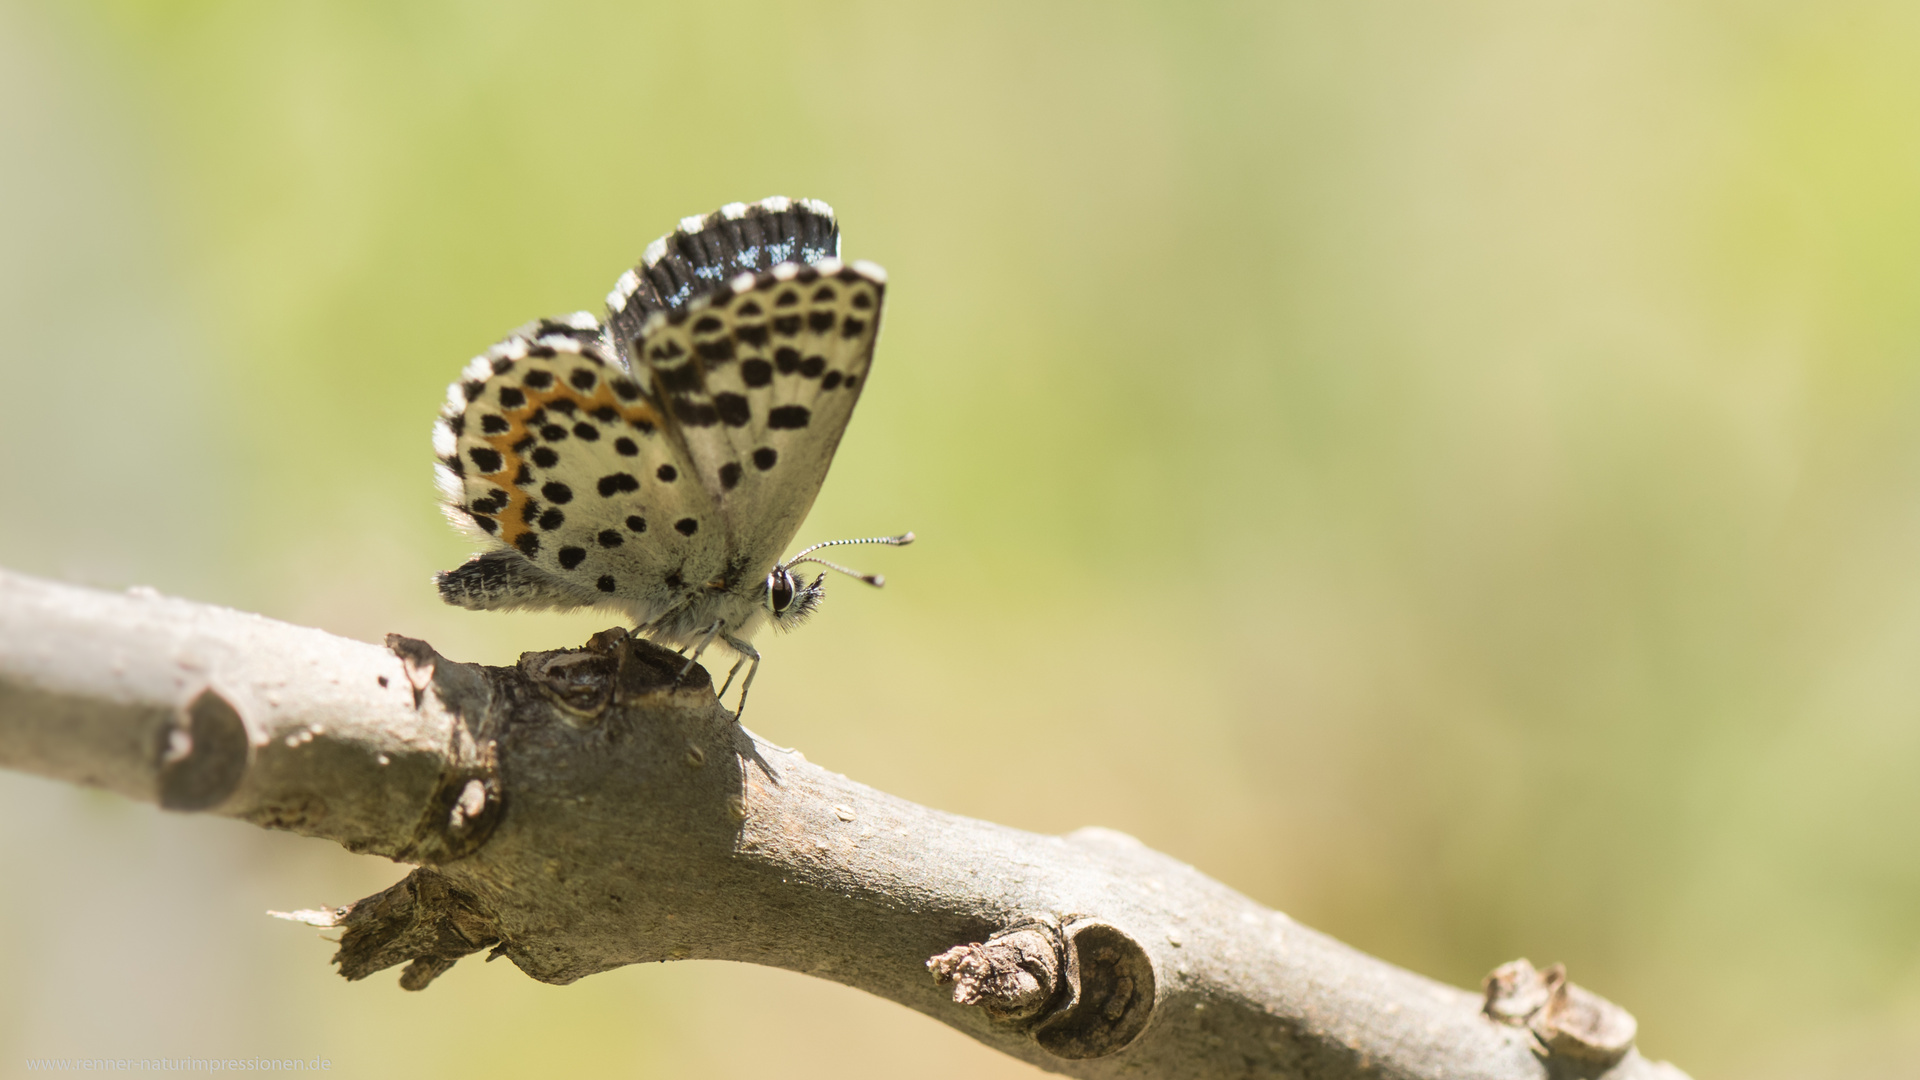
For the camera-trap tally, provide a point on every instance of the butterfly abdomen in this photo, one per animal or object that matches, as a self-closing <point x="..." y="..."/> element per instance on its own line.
<point x="505" y="581"/>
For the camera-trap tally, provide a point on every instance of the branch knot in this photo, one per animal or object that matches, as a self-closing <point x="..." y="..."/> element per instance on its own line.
<point x="1088" y="988"/>
<point x="1566" y="1020"/>
<point x="1011" y="975"/>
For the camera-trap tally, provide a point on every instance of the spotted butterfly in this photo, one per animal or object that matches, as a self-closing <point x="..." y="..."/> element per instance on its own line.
<point x="659" y="463"/>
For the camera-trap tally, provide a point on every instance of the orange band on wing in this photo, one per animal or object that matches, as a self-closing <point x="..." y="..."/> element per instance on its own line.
<point x="515" y="441"/>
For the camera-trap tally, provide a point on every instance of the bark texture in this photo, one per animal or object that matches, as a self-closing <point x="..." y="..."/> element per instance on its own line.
<point x="586" y="808"/>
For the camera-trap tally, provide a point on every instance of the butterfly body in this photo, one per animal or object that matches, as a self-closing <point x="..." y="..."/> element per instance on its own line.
<point x="660" y="463"/>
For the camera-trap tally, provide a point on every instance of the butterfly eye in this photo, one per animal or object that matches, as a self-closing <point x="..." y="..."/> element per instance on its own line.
<point x="779" y="590"/>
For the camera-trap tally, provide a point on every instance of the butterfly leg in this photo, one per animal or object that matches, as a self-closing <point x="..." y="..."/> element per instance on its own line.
<point x="749" y="656"/>
<point x="731" y="672"/>
<point x="712" y="632"/>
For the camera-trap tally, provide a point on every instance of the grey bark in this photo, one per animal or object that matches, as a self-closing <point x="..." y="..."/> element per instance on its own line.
<point x="587" y="808"/>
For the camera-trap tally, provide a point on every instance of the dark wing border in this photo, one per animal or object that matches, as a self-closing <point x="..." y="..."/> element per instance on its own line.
<point x="705" y="253"/>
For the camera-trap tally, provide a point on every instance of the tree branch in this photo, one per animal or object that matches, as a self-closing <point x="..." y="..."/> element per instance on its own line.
<point x="586" y="809"/>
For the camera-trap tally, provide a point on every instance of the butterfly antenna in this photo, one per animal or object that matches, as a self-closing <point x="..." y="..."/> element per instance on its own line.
<point x="876" y="580"/>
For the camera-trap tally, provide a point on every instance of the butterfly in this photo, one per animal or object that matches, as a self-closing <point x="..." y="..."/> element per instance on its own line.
<point x="660" y="462"/>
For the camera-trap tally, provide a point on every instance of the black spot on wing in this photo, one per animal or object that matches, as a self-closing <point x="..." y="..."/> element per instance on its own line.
<point x="789" y="417"/>
<point x="764" y="458"/>
<point x="756" y="372"/>
<point x="552" y="520"/>
<point x="667" y="474"/>
<point x="557" y="491"/>
<point x="733" y="409"/>
<point x="571" y="557"/>
<point x="486" y="459"/>
<point x="528" y="543"/>
<point x="610" y="538"/>
<point x="614" y="483"/>
<point x="820" y="321"/>
<point x="694" y="413"/>
<point x="606" y="583"/>
<point x="537" y="379"/>
<point x="686" y="526"/>
<point x="512" y="397"/>
<point x="679" y="380"/>
<point x="729" y="475"/>
<point x="545" y="457"/>
<point x="493" y="425"/>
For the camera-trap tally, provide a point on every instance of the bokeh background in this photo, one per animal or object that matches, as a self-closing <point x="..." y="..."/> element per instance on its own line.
<point x="1450" y="471"/>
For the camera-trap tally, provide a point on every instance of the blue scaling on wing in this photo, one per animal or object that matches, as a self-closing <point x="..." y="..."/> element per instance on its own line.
<point x="707" y="252"/>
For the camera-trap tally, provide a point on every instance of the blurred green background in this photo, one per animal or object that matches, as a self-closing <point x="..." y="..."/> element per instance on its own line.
<point x="1450" y="471"/>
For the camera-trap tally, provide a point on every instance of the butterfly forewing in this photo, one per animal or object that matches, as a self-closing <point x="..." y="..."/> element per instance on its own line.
<point x="758" y="380"/>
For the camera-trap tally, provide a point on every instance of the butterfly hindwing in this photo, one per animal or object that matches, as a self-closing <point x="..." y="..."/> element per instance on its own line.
<point x="758" y="380"/>
<point x="556" y="454"/>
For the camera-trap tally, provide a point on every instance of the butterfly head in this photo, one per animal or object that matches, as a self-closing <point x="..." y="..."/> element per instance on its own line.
<point x="791" y="599"/>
